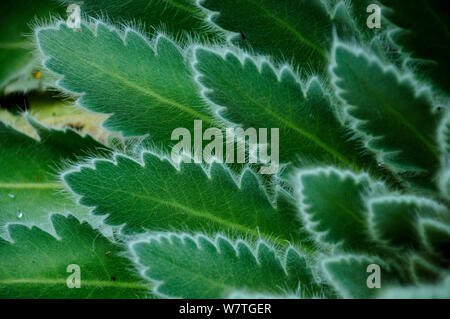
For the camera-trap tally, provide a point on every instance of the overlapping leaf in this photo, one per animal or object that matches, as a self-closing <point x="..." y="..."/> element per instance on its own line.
<point x="332" y="204"/>
<point x="181" y="18"/>
<point x="158" y="196"/>
<point x="28" y="188"/>
<point x="198" y="267"/>
<point x="147" y="88"/>
<point x="393" y="219"/>
<point x="394" y="115"/>
<point x="252" y="94"/>
<point x="34" y="264"/>
<point x="291" y="30"/>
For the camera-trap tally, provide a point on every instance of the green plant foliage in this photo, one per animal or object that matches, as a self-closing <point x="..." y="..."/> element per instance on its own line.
<point x="17" y="61"/>
<point x="251" y="93"/>
<point x="218" y="201"/>
<point x="329" y="213"/>
<point x="220" y="265"/>
<point x="146" y="87"/>
<point x="44" y="260"/>
<point x="396" y="118"/>
<point x="179" y="17"/>
<point x="29" y="190"/>
<point x="358" y="209"/>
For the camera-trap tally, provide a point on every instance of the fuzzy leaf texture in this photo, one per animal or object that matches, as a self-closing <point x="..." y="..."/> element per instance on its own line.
<point x="393" y="219"/>
<point x="389" y="110"/>
<point x="250" y="92"/>
<point x="331" y="202"/>
<point x="181" y="18"/>
<point x="286" y="30"/>
<point x="28" y="189"/>
<point x="153" y="195"/>
<point x="44" y="258"/>
<point x="146" y="87"/>
<point x="200" y="267"/>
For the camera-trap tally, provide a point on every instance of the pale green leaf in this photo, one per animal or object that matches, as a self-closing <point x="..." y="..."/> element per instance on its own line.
<point x="286" y="30"/>
<point x="331" y="203"/>
<point x="34" y="263"/>
<point x="28" y="187"/>
<point x="181" y="18"/>
<point x="199" y="267"/>
<point x="156" y="195"/>
<point x="146" y="87"/>
<point x="251" y="93"/>
<point x="389" y="110"/>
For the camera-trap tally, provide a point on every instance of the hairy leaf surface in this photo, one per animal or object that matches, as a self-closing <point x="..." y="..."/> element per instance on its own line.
<point x="436" y="237"/>
<point x="199" y="267"/>
<point x="158" y="196"/>
<point x="146" y="87"/>
<point x="181" y="18"/>
<point x="393" y="115"/>
<point x="252" y="94"/>
<point x="286" y="30"/>
<point x="28" y="189"/>
<point x="393" y="218"/>
<point x="34" y="264"/>
<point x="332" y="202"/>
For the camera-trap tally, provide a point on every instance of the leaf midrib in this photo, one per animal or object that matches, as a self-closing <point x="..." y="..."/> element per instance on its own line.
<point x="296" y="128"/>
<point x="151" y="93"/>
<point x="398" y="115"/>
<point x="201" y="214"/>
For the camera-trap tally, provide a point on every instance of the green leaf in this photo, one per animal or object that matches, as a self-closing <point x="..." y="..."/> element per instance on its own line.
<point x="424" y="35"/>
<point x="34" y="264"/>
<point x="156" y="195"/>
<point x="331" y="202"/>
<point x="181" y="18"/>
<point x="250" y="92"/>
<point x="436" y="236"/>
<point x="28" y="188"/>
<point x="422" y="270"/>
<point x="393" y="219"/>
<point x="199" y="267"/>
<point x="16" y="57"/>
<point x="285" y="30"/>
<point x="146" y="87"/>
<point x="390" y="111"/>
<point x="349" y="275"/>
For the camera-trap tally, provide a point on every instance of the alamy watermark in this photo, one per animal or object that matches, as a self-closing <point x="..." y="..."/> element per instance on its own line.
<point x="241" y="146"/>
<point x="74" y="279"/>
